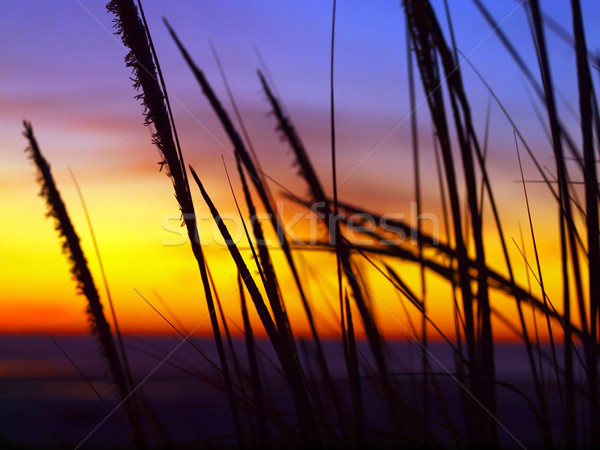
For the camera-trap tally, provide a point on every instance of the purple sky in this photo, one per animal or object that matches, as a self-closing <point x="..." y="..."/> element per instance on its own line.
<point x="62" y="69"/>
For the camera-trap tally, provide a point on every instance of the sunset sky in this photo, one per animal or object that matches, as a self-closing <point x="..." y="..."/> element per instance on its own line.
<point x="61" y="67"/>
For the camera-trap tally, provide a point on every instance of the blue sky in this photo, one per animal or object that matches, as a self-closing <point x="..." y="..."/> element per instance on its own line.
<point x="62" y="68"/>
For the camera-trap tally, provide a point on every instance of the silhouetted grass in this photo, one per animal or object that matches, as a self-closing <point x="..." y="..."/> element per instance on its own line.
<point x="328" y="412"/>
<point x="289" y="363"/>
<point x="85" y="283"/>
<point x="141" y="58"/>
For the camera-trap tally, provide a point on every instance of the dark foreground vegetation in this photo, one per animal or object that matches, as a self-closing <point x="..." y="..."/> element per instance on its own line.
<point x="366" y="399"/>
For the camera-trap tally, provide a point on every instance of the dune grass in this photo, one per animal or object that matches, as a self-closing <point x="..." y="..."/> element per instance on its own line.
<point x="85" y="286"/>
<point x="327" y="412"/>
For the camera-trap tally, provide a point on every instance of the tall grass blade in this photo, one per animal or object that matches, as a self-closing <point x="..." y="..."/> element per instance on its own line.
<point x="244" y="155"/>
<point x="288" y="362"/>
<point x="257" y="387"/>
<point x="141" y="59"/>
<point x="85" y="283"/>
<point x="591" y="201"/>
<point x="126" y="366"/>
<point x="417" y="190"/>
<point x="420" y="36"/>
<point x="351" y="356"/>
<point x="322" y="207"/>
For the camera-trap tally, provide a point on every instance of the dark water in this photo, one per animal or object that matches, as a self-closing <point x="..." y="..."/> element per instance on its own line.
<point x="47" y="403"/>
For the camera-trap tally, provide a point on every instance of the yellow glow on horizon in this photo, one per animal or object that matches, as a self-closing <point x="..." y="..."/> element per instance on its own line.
<point x="136" y="222"/>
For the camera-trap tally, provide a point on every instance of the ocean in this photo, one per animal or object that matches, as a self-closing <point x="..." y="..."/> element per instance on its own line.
<point x="47" y="402"/>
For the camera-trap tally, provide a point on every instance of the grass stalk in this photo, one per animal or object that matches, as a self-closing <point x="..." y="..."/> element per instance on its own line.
<point x="591" y="201"/>
<point x="288" y="361"/>
<point x="418" y="25"/>
<point x="123" y="354"/>
<point x="562" y="175"/>
<point x="85" y="284"/>
<point x="257" y="387"/>
<point x="351" y="357"/>
<point x="322" y="207"/>
<point x="417" y="192"/>
<point x="141" y="59"/>
<point x="244" y="155"/>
